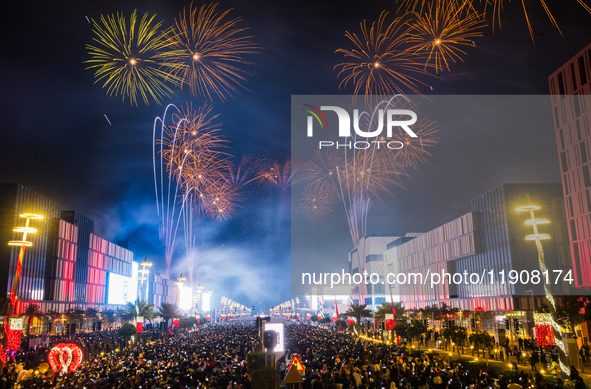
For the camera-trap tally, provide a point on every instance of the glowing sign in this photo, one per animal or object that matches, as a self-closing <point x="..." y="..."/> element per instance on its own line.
<point x="122" y="290"/>
<point x="277" y="327"/>
<point x="185" y="298"/>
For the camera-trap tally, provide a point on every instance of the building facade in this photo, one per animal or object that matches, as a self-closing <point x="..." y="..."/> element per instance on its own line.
<point x="491" y="238"/>
<point x="68" y="266"/>
<point x="570" y="89"/>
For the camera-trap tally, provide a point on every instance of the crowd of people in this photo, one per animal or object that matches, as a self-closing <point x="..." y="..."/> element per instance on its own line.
<point x="215" y="356"/>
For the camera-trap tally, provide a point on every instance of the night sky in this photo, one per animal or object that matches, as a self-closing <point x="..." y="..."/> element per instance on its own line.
<point x="56" y="140"/>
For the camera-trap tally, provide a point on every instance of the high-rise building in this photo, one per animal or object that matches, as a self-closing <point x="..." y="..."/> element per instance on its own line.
<point x="15" y="200"/>
<point x="570" y="89"/>
<point x="67" y="266"/>
<point x="489" y="241"/>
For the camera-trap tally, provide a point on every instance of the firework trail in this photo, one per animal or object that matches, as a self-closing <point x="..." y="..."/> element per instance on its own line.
<point x="204" y="51"/>
<point x="126" y="58"/>
<point x="167" y="185"/>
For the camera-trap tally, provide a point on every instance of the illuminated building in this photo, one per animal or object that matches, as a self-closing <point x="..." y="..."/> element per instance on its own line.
<point x="85" y="227"/>
<point x="67" y="266"/>
<point x="570" y="89"/>
<point x="162" y="290"/>
<point x="369" y="257"/>
<point x="15" y="199"/>
<point x="61" y="261"/>
<point x="489" y="238"/>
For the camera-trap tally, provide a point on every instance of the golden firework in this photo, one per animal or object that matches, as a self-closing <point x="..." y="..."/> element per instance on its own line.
<point x="316" y="204"/>
<point x="415" y="151"/>
<point x="380" y="63"/>
<point x="276" y="173"/>
<point x="219" y="201"/>
<point x="192" y="146"/>
<point x="443" y="30"/>
<point x="205" y="49"/>
<point x="322" y="170"/>
<point x="126" y="58"/>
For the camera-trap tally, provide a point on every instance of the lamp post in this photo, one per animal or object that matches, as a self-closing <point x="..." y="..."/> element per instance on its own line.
<point x="12" y="326"/>
<point x="537" y="237"/>
<point x="144" y="275"/>
<point x="179" y="285"/>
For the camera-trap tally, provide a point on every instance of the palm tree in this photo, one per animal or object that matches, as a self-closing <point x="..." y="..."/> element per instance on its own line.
<point x="386" y="309"/>
<point x="358" y="311"/>
<point x="138" y="309"/>
<point x="109" y="317"/>
<point x="53" y="316"/>
<point x="32" y="311"/>
<point x="91" y="316"/>
<point x="167" y="311"/>
<point x="74" y="315"/>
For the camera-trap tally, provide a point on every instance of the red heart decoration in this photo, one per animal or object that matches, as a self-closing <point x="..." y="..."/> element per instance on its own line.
<point x="65" y="357"/>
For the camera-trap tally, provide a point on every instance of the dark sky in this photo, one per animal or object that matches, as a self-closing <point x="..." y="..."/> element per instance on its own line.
<point x="56" y="140"/>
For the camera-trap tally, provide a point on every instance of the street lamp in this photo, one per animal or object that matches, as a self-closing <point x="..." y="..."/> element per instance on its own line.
<point x="13" y="326"/>
<point x="538" y="237"/>
<point x="144" y="275"/>
<point x="179" y="285"/>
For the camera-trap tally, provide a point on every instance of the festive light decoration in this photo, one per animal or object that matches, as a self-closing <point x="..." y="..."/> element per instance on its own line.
<point x="13" y="328"/>
<point x="139" y="324"/>
<point x="544" y="335"/>
<point x="65" y="357"/>
<point x="537" y="237"/>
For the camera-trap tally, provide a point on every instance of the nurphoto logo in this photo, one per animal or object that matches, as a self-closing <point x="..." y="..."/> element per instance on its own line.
<point x="401" y="118"/>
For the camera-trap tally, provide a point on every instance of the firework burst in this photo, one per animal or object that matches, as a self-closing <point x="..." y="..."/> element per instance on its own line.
<point x="219" y="201"/>
<point x="443" y="30"/>
<point x="205" y="49"/>
<point x="316" y="204"/>
<point x="126" y="58"/>
<point x="192" y="145"/>
<point x="276" y="173"/>
<point x="380" y="63"/>
<point x="321" y="170"/>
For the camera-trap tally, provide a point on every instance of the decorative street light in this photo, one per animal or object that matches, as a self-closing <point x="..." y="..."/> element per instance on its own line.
<point x="13" y="326"/>
<point x="144" y="275"/>
<point x="538" y="237"/>
<point x="179" y="285"/>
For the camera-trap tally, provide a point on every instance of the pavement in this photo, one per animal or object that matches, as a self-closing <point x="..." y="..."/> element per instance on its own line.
<point x="584" y="371"/>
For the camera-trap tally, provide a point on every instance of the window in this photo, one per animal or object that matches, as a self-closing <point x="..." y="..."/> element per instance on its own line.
<point x="570" y="206"/>
<point x="586" y="176"/>
<point x="561" y="136"/>
<point x="577" y="107"/>
<point x="573" y="75"/>
<point x="582" y="73"/>
<point x="561" y="84"/>
<point x="563" y="161"/>
<point x="583" y="152"/>
<point x="374" y="258"/>
<point x="573" y="230"/>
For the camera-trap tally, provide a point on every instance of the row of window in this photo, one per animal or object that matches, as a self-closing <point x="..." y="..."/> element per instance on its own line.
<point x="455" y="248"/>
<point x="573" y="77"/>
<point x="458" y="227"/>
<point x="63" y="290"/>
<point x="111" y="249"/>
<point x="68" y="231"/>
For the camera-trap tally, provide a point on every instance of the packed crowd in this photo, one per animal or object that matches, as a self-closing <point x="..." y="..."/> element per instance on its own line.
<point x="215" y="356"/>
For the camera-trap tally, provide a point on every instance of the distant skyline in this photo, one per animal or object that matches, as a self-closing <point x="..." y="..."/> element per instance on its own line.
<point x="58" y="142"/>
